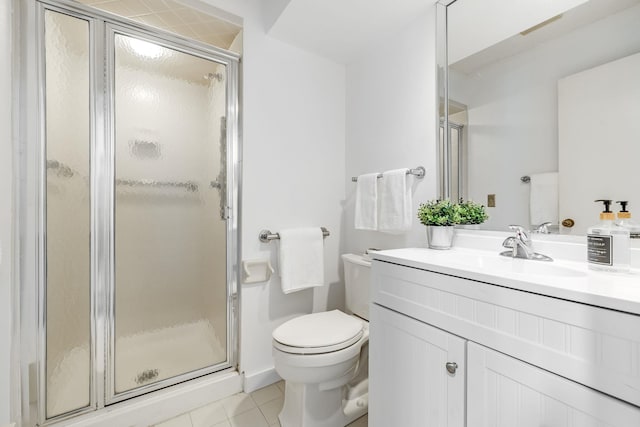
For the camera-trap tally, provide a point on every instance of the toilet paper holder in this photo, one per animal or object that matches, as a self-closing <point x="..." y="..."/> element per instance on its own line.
<point x="257" y="270"/>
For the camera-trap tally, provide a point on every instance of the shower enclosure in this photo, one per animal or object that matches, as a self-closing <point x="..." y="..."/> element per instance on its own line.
<point x="136" y="166"/>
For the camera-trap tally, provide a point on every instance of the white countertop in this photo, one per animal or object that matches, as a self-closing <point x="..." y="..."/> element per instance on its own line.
<point x="568" y="280"/>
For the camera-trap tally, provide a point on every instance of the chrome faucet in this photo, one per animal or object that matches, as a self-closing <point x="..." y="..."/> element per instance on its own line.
<point x="542" y="228"/>
<point x="521" y="245"/>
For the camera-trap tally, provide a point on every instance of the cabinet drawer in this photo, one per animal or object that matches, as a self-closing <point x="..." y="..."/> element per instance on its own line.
<point x="596" y="347"/>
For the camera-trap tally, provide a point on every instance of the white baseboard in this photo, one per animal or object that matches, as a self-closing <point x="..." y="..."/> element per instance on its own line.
<point x="163" y="405"/>
<point x="253" y="382"/>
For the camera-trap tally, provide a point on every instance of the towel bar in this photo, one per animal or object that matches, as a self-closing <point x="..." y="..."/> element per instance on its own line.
<point x="266" y="236"/>
<point x="419" y="172"/>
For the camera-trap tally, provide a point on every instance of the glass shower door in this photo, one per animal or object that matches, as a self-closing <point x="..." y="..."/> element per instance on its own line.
<point x="67" y="214"/>
<point x="170" y="237"/>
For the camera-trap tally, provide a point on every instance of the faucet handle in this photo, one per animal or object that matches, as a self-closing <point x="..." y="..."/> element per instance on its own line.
<point x="517" y="228"/>
<point x="521" y="232"/>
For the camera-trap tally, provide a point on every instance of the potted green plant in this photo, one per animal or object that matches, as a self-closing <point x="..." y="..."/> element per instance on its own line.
<point x="471" y="214"/>
<point x="440" y="217"/>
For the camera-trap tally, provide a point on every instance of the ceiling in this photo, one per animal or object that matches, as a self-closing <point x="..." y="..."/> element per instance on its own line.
<point x="175" y="16"/>
<point x="339" y="29"/>
<point x="336" y="29"/>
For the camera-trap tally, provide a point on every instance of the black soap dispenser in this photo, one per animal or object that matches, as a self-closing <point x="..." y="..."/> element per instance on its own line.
<point x="608" y="246"/>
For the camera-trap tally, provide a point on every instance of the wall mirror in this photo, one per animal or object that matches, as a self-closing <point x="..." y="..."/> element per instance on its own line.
<point x="543" y="111"/>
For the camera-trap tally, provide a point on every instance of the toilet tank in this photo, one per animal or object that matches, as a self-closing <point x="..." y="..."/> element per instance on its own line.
<point x="357" y="272"/>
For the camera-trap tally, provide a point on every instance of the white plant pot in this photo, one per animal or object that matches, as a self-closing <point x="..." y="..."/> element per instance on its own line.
<point x="440" y="237"/>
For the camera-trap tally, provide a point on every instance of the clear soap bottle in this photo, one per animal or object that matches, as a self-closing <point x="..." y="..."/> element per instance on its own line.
<point x="624" y="220"/>
<point x="608" y="246"/>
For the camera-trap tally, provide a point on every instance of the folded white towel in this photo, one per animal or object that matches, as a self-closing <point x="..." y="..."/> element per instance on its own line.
<point x="395" y="214"/>
<point x="301" y="259"/>
<point x="366" y="217"/>
<point x="543" y="198"/>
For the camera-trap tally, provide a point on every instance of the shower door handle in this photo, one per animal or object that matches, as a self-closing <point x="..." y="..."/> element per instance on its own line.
<point x="221" y="180"/>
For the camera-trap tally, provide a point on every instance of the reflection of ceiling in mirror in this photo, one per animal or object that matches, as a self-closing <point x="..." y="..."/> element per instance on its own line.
<point x="586" y="13"/>
<point x="175" y="17"/>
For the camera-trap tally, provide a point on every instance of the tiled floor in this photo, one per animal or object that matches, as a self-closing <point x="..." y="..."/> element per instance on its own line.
<point x="257" y="409"/>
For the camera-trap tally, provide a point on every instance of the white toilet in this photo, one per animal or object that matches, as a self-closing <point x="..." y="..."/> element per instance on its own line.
<point x="323" y="358"/>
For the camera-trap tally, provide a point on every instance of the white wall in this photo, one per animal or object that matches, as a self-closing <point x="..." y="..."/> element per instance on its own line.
<point x="597" y="154"/>
<point x="391" y="123"/>
<point x="293" y="112"/>
<point x="6" y="206"/>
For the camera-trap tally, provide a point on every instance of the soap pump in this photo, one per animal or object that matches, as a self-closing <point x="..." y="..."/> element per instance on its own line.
<point x="608" y="245"/>
<point x="624" y="220"/>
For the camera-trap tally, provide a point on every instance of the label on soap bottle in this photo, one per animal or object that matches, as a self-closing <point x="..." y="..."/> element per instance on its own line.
<point x="599" y="249"/>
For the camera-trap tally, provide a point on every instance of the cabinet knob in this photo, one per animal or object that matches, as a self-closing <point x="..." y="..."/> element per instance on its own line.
<point x="452" y="367"/>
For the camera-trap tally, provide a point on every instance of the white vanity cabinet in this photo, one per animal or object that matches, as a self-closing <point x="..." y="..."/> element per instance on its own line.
<point x="523" y="359"/>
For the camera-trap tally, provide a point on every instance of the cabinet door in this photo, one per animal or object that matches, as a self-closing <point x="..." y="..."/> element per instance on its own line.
<point x="409" y="384"/>
<point x="506" y="392"/>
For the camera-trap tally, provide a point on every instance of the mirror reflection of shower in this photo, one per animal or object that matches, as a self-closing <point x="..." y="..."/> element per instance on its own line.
<point x="457" y="160"/>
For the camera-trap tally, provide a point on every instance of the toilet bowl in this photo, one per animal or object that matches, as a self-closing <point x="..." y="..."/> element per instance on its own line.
<point x="323" y="358"/>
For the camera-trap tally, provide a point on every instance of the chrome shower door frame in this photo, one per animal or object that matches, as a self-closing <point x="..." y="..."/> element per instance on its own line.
<point x="230" y="62"/>
<point x="31" y="235"/>
<point x="37" y="12"/>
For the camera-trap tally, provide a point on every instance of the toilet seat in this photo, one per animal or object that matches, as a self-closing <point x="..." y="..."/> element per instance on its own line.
<point x="317" y="333"/>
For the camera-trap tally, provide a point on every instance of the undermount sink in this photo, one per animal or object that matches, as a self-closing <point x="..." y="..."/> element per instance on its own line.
<point x="498" y="264"/>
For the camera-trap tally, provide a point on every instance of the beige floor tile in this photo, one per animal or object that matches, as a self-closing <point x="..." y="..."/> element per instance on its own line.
<point x="360" y="422"/>
<point x="251" y="418"/>
<point x="271" y="409"/>
<point x="208" y="415"/>
<point x="237" y="404"/>
<point x="280" y="385"/>
<point x="180" y="421"/>
<point x="277" y="424"/>
<point x="225" y="423"/>
<point x="266" y="394"/>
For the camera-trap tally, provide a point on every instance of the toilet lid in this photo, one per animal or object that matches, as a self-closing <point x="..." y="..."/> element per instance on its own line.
<point x="318" y="331"/>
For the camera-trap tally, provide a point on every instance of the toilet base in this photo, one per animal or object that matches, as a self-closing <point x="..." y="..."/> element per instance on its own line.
<point x="305" y="405"/>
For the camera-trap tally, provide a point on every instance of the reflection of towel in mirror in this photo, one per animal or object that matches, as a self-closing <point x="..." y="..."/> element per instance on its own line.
<point x="543" y="199"/>
<point x="301" y="258"/>
<point x="396" y="214"/>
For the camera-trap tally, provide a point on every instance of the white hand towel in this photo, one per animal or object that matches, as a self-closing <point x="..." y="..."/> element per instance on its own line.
<point x="395" y="214"/>
<point x="301" y="259"/>
<point x="543" y="198"/>
<point x="367" y="202"/>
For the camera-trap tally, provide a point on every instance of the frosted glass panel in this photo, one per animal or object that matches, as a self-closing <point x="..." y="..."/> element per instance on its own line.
<point x="67" y="214"/>
<point x="170" y="240"/>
